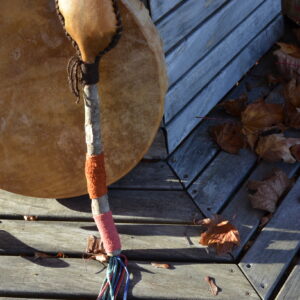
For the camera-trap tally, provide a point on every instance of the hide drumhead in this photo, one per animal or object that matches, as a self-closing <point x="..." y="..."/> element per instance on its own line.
<point x="42" y="146"/>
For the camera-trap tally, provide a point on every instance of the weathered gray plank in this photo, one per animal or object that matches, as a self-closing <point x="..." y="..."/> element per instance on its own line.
<point x="149" y="175"/>
<point x="185" y="89"/>
<point x="159" y="8"/>
<point x="176" y="25"/>
<point x="198" y="44"/>
<point x="58" y="278"/>
<point x="139" y="241"/>
<point x="273" y="250"/>
<point x="198" y="149"/>
<point x="290" y="289"/>
<point x="186" y="121"/>
<point x="127" y="205"/>
<point x="221" y="178"/>
<point x="239" y="208"/>
<point x="158" y="150"/>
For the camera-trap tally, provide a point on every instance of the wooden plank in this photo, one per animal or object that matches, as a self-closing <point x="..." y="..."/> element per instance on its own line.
<point x="290" y="289"/>
<point x="185" y="89"/>
<point x="198" y="44"/>
<point x="239" y="208"/>
<point x="219" y="181"/>
<point x="187" y="120"/>
<point x="272" y="252"/>
<point x="159" y="8"/>
<point x="127" y="206"/>
<point x="149" y="175"/>
<point x="158" y="149"/>
<point x="139" y="241"/>
<point x="20" y="276"/>
<point x="198" y="149"/>
<point x="176" y="25"/>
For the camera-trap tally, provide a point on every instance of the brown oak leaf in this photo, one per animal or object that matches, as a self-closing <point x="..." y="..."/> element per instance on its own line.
<point x="265" y="194"/>
<point x="291" y="116"/>
<point x="220" y="234"/>
<point x="235" y="107"/>
<point x="290" y="49"/>
<point x="228" y="136"/>
<point x="160" y="265"/>
<point x="292" y="92"/>
<point x="260" y="115"/>
<point x="276" y="147"/>
<point x="214" y="289"/>
<point x="95" y="249"/>
<point x="295" y="150"/>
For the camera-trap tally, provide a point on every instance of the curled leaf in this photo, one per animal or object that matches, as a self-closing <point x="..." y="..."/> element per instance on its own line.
<point x="160" y="265"/>
<point x="260" y="115"/>
<point x="101" y="257"/>
<point x="235" y="107"/>
<point x="94" y="245"/>
<point x="212" y="285"/>
<point x="38" y="254"/>
<point x="229" y="137"/>
<point x="265" y="194"/>
<point x="30" y="218"/>
<point x="220" y="234"/>
<point x="276" y="147"/>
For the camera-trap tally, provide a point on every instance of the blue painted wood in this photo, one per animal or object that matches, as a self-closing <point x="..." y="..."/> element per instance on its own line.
<point x="198" y="44"/>
<point x="246" y="218"/>
<point x="185" y="89"/>
<point x="159" y="8"/>
<point x="184" y="19"/>
<point x="277" y="244"/>
<point x="187" y="120"/>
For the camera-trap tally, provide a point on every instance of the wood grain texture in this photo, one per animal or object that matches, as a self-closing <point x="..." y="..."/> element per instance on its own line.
<point x="269" y="257"/>
<point x="239" y="208"/>
<point x="220" y="180"/>
<point x="158" y="149"/>
<point x="149" y="175"/>
<point x="187" y="120"/>
<point x="139" y="241"/>
<point x="126" y="205"/>
<point x="198" y="149"/>
<point x="178" y="24"/>
<point x="56" y="278"/>
<point x="203" y="72"/>
<point x="159" y="8"/>
<point x="198" y="44"/>
<point x="290" y="289"/>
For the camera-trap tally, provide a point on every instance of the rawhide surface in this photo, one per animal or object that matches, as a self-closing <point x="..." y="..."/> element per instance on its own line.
<point x="42" y="145"/>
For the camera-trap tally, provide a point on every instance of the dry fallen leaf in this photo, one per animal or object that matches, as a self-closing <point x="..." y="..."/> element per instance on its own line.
<point x="260" y="115"/>
<point x="61" y="255"/>
<point x="30" y="218"/>
<point x="101" y="257"/>
<point x="265" y="220"/>
<point x="290" y="49"/>
<point x="220" y="234"/>
<point x="291" y="116"/>
<point x="295" y="150"/>
<point x="212" y="285"/>
<point x="235" y="107"/>
<point x="292" y="93"/>
<point x="95" y="249"/>
<point x="276" y="147"/>
<point x="229" y="137"/>
<point x="160" y="265"/>
<point x="265" y="194"/>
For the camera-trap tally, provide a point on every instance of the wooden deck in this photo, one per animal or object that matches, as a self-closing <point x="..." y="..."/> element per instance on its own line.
<point x="154" y="207"/>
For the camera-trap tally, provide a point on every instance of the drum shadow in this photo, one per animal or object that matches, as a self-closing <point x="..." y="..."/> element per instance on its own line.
<point x="10" y="245"/>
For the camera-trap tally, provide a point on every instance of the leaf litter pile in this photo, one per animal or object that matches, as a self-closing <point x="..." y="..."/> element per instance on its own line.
<point x="261" y="127"/>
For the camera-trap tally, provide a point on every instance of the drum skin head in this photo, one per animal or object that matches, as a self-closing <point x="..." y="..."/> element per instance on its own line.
<point x="42" y="144"/>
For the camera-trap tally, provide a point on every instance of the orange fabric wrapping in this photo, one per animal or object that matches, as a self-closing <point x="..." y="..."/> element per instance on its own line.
<point x="95" y="175"/>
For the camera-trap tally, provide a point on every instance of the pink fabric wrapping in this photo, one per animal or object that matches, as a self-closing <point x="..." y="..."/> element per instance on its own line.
<point x="108" y="232"/>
